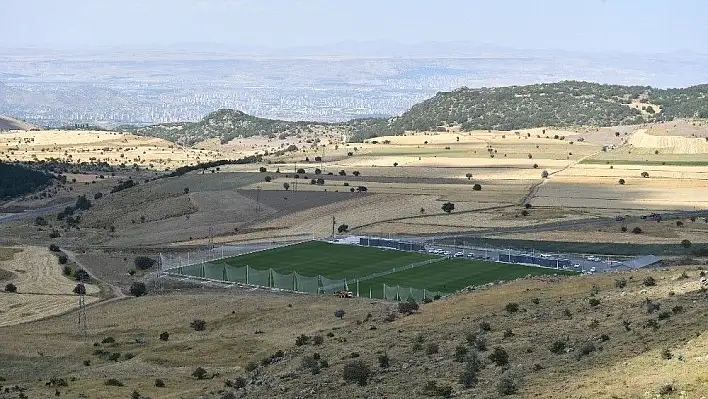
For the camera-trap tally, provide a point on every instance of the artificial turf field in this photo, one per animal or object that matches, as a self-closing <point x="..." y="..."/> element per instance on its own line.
<point x="337" y="261"/>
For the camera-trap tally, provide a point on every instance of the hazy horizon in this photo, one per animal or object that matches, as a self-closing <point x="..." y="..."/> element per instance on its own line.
<point x="586" y="26"/>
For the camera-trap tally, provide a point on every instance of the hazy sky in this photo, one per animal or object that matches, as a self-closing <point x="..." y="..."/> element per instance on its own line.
<point x="648" y="26"/>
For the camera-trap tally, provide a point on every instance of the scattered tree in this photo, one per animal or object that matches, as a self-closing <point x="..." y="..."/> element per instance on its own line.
<point x="10" y="288"/>
<point x="138" y="289"/>
<point x="199" y="373"/>
<point x="198" y="324"/>
<point x="144" y="262"/>
<point x="356" y="371"/>
<point x="477" y="187"/>
<point x="286" y="186"/>
<point x="621" y="181"/>
<point x="448" y="207"/>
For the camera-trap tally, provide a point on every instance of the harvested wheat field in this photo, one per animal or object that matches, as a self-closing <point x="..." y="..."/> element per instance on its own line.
<point x="110" y="147"/>
<point x="42" y="290"/>
<point x="668" y="144"/>
<point x="607" y="193"/>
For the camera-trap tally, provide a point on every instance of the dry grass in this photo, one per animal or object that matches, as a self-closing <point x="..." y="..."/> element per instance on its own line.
<point x="627" y="366"/>
<point x="42" y="290"/>
<point x="113" y="148"/>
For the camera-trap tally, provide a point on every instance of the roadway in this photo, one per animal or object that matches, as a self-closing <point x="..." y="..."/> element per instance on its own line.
<point x="35" y="212"/>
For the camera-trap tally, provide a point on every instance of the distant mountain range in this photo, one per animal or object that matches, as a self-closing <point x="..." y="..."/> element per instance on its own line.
<point x="562" y="104"/>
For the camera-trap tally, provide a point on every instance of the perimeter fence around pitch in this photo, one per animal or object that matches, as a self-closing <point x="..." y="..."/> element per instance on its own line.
<point x="211" y="266"/>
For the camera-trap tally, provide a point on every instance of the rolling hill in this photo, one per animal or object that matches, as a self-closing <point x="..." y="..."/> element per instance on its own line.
<point x="562" y="104"/>
<point x="228" y="124"/>
<point x="8" y="123"/>
<point x="567" y="103"/>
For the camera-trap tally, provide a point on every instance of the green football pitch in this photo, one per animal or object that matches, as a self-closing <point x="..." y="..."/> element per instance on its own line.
<point x="335" y="261"/>
<point x="338" y="261"/>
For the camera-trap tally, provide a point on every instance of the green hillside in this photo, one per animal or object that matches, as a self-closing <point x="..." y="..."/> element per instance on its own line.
<point x="228" y="124"/>
<point x="567" y="103"/>
<point x="562" y="104"/>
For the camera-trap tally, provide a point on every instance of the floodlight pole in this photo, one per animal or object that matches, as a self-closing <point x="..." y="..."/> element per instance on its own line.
<point x="334" y="221"/>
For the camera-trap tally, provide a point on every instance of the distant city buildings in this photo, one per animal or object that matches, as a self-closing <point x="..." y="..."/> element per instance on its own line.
<point x="55" y="92"/>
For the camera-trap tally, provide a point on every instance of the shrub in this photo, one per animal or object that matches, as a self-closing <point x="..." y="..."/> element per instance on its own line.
<point x="508" y="333"/>
<point x="468" y="378"/>
<point x="666" y="354"/>
<point x="63" y="259"/>
<point x="159" y="383"/>
<point x="10" y="288"/>
<point x="664" y="315"/>
<point x="685" y="243"/>
<point x="87" y="363"/>
<point x="199" y="373"/>
<point x="604" y="337"/>
<point x="652" y="306"/>
<point x="621" y="181"/>
<point x="485" y="326"/>
<point x="302" y="340"/>
<point x="250" y="366"/>
<point x="407" y="307"/>
<point x="317" y="340"/>
<point x="649" y="281"/>
<point x="311" y="363"/>
<point x="594" y="302"/>
<point x="339" y="313"/>
<point x="114" y="357"/>
<point x="480" y="343"/>
<point x="54" y="234"/>
<point x="112" y="382"/>
<point x="637" y="230"/>
<point x="460" y="353"/>
<point x="624" y="229"/>
<point x="586" y="349"/>
<point x="143" y="262"/>
<point x="137" y="289"/>
<point x="267" y="179"/>
<point x="557" y="347"/>
<point x="164" y="336"/>
<point x="567" y="313"/>
<point x="499" y="356"/>
<point x="432" y="348"/>
<point x="356" y="371"/>
<point x="666" y="389"/>
<point x="198" y="324"/>
<point x="679" y="224"/>
<point x="535" y="301"/>
<point x="108" y="340"/>
<point x="507" y="385"/>
<point x="238" y="383"/>
<point x="384" y="361"/>
<point x="477" y="187"/>
<point x="432" y="388"/>
<point x="620" y="282"/>
<point x="512" y="307"/>
<point x="677" y="309"/>
<point x="54" y="247"/>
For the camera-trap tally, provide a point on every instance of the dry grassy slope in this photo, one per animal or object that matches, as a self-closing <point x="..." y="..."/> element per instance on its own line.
<point x="628" y="365"/>
<point x="8" y="123"/>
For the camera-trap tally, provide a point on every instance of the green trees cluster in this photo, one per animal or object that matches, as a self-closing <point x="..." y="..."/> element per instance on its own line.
<point x="16" y="179"/>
